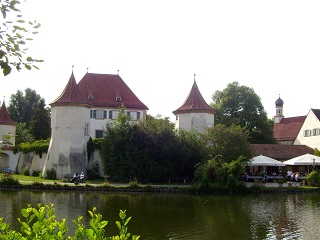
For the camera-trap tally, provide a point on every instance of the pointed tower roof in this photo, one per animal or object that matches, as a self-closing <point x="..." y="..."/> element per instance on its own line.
<point x="70" y="94"/>
<point x="5" y="118"/>
<point x="194" y="103"/>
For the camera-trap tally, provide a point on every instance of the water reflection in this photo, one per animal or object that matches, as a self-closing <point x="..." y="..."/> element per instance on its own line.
<point x="171" y="216"/>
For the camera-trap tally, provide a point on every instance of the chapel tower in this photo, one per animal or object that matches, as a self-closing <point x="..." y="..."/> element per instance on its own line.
<point x="279" y="111"/>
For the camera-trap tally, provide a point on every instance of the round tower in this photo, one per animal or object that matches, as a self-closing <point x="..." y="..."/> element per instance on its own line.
<point x="194" y="113"/>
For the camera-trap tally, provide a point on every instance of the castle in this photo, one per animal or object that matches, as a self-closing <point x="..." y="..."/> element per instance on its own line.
<point x="83" y="109"/>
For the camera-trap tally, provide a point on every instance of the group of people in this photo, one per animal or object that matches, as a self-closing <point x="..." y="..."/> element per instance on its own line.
<point x="293" y="176"/>
<point x="78" y="177"/>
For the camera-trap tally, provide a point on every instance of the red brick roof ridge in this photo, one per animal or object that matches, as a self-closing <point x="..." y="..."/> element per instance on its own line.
<point x="194" y="102"/>
<point x="4" y="115"/>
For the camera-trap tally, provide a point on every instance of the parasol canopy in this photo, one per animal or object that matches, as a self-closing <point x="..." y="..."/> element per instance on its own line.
<point x="306" y="159"/>
<point x="265" y="161"/>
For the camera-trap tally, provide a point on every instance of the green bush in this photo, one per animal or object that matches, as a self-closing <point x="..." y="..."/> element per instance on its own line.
<point x="25" y="171"/>
<point x="36" y="173"/>
<point x="9" y="180"/>
<point x="40" y="223"/>
<point x="313" y="178"/>
<point x="134" y="184"/>
<point x="51" y="174"/>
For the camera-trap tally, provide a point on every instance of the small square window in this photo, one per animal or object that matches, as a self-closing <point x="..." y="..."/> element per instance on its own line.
<point x="99" y="133"/>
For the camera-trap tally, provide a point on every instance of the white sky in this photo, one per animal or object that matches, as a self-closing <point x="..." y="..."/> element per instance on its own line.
<point x="270" y="46"/>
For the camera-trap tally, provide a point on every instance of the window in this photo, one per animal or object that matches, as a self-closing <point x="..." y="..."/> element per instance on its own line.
<point x="316" y="131"/>
<point x="128" y="113"/>
<point x="118" y="99"/>
<point x="99" y="133"/>
<point x="86" y="129"/>
<point x="93" y="113"/>
<point x="138" y="115"/>
<point x="307" y="133"/>
<point x="98" y="114"/>
<point x="110" y="114"/>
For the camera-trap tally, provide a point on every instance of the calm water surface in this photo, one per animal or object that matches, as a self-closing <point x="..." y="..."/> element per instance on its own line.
<point x="176" y="216"/>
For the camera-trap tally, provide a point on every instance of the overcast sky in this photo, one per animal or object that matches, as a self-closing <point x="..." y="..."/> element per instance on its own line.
<point x="158" y="46"/>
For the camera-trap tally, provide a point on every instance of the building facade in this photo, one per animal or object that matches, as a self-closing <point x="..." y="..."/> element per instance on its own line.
<point x="82" y="111"/>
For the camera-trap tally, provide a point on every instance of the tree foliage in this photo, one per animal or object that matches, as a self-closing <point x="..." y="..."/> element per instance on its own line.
<point x="240" y="105"/>
<point x="228" y="142"/>
<point x="15" y="32"/>
<point x="149" y="151"/>
<point x="21" y="106"/>
<point x="23" y="134"/>
<point x="40" y="122"/>
<point x="230" y="150"/>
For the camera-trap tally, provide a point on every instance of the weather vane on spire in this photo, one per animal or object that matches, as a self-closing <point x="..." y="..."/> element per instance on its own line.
<point x="194" y="76"/>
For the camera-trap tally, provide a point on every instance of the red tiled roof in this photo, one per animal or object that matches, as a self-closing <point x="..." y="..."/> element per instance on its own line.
<point x="281" y="152"/>
<point x="104" y="90"/>
<point x="70" y="94"/>
<point x="194" y="103"/>
<point x="5" y="118"/>
<point x="288" y="128"/>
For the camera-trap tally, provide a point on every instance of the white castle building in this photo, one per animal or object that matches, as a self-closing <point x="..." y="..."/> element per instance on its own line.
<point x="83" y="110"/>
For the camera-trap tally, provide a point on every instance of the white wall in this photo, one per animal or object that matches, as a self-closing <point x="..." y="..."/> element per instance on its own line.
<point x="8" y="159"/>
<point x="67" y="150"/>
<point x="5" y="130"/>
<point x="311" y="122"/>
<point x="197" y="121"/>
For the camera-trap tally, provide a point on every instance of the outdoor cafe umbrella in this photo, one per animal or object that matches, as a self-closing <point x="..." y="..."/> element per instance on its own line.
<point x="306" y="159"/>
<point x="265" y="161"/>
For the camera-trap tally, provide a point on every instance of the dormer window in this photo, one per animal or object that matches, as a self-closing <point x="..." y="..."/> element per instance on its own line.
<point x="118" y="96"/>
<point x="90" y="94"/>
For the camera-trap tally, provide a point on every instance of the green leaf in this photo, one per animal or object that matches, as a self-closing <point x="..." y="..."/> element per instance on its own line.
<point x="6" y="70"/>
<point x="2" y="53"/>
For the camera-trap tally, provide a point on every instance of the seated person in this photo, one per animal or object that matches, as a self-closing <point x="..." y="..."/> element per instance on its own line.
<point x="81" y="177"/>
<point x="75" y="177"/>
<point x="8" y="170"/>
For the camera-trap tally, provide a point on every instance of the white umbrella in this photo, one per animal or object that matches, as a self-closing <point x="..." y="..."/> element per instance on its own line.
<point x="306" y="159"/>
<point x="265" y="161"/>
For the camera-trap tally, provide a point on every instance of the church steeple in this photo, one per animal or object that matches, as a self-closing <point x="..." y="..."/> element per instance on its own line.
<point x="279" y="110"/>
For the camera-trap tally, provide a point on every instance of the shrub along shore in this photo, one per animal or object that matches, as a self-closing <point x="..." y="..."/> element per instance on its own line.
<point x="148" y="188"/>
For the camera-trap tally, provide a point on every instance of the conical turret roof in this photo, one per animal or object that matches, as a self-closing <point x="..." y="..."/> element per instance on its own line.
<point x="194" y="103"/>
<point x="70" y="94"/>
<point x="5" y="118"/>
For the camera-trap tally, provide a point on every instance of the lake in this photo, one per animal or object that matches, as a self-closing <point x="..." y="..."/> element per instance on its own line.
<point x="182" y="216"/>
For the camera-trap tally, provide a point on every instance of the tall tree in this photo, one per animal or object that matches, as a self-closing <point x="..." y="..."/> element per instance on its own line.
<point x="40" y="122"/>
<point x="21" y="106"/>
<point x="14" y="33"/>
<point x="230" y="151"/>
<point x="240" y="105"/>
<point x="23" y="134"/>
